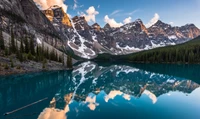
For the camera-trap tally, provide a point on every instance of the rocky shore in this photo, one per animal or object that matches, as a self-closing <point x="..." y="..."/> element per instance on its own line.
<point x="8" y="67"/>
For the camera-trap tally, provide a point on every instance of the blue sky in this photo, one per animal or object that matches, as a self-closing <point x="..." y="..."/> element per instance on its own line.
<point x="180" y="12"/>
<point x="119" y="12"/>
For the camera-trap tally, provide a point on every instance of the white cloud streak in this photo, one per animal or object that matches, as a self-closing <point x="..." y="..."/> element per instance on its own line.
<point x="115" y="12"/>
<point x="75" y="4"/>
<point x="132" y="12"/>
<point x="153" y="20"/>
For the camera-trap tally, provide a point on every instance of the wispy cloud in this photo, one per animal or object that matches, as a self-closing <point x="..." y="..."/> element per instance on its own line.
<point x="115" y="12"/>
<point x="75" y="6"/>
<point x="132" y="12"/>
<point x="123" y="13"/>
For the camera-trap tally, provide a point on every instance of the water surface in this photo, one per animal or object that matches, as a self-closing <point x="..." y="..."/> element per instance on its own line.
<point x="105" y="91"/>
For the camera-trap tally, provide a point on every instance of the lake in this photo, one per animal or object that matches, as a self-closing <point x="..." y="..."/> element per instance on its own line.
<point x="104" y="91"/>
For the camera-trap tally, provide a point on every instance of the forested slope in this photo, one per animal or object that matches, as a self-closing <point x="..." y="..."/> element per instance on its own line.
<point x="188" y="52"/>
<point x="184" y="53"/>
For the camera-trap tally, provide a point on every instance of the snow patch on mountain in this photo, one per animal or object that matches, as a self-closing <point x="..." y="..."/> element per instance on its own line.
<point x="82" y="71"/>
<point x="172" y="37"/>
<point x="39" y="41"/>
<point x="127" y="49"/>
<point x="82" y="48"/>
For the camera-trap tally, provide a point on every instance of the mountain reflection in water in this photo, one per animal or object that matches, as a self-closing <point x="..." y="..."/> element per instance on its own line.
<point x="89" y="81"/>
<point x="105" y="91"/>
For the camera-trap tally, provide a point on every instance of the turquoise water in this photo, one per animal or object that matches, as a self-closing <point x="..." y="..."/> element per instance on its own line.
<point x="105" y="91"/>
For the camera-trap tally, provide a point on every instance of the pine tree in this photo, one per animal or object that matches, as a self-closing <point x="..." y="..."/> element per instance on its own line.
<point x="16" y="46"/>
<point x="63" y="59"/>
<point x="21" y="58"/>
<point x="56" y="57"/>
<point x="37" y="54"/>
<point x="10" y="47"/>
<point x="17" y="50"/>
<point x="52" y="55"/>
<point x="60" y="59"/>
<point x="6" y="51"/>
<point x="69" y="62"/>
<point x="13" y="47"/>
<point x="47" y="53"/>
<point x="26" y="45"/>
<point x="21" y="46"/>
<point x="2" y="45"/>
<point x="32" y="49"/>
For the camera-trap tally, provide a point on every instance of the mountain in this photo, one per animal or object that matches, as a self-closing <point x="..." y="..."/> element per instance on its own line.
<point x="176" y="35"/>
<point x="188" y="52"/>
<point x="16" y="13"/>
<point x="88" y="41"/>
<point x="23" y="24"/>
<point x="81" y="40"/>
<point x="107" y="27"/>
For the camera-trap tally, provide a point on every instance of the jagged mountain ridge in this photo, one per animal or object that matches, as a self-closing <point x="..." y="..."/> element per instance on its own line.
<point x="88" y="41"/>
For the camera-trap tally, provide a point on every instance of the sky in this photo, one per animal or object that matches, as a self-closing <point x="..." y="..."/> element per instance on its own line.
<point x="120" y="12"/>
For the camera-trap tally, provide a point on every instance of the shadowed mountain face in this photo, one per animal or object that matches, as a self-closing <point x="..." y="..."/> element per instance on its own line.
<point x="93" y="87"/>
<point x="25" y="19"/>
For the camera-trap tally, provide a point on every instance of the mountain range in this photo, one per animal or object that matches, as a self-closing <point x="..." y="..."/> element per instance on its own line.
<point x="88" y="41"/>
<point x="75" y="37"/>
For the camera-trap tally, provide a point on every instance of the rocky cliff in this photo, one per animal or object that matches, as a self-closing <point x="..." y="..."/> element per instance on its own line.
<point x="25" y="18"/>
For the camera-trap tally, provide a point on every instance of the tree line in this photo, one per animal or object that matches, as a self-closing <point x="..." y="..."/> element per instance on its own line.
<point x="184" y="53"/>
<point x="188" y="52"/>
<point x="28" y="50"/>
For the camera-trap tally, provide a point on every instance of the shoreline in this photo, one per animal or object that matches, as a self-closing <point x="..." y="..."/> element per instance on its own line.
<point x="27" y="67"/>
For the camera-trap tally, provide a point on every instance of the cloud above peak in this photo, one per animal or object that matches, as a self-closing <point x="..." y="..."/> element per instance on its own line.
<point x="127" y="20"/>
<point x="90" y="15"/>
<point x="112" y="22"/>
<point x="45" y="4"/>
<point x="153" y="20"/>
